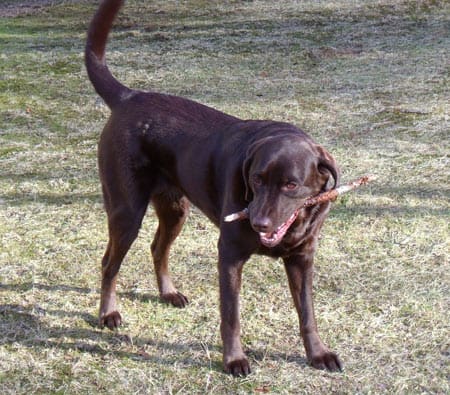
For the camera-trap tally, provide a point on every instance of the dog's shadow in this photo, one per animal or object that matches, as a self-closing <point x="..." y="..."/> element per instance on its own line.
<point x="26" y="325"/>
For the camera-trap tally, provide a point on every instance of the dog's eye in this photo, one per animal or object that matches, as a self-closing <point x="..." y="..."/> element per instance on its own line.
<point x="257" y="179"/>
<point x="291" y="185"/>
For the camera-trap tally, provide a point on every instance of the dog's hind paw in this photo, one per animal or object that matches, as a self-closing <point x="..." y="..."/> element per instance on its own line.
<point x="239" y="367"/>
<point x="176" y="299"/>
<point x="112" y="320"/>
<point x="327" y="361"/>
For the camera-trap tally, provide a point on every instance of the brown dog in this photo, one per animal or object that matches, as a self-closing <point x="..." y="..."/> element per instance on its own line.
<point x="171" y="151"/>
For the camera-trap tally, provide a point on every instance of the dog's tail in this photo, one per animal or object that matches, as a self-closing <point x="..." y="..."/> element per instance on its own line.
<point x="106" y="85"/>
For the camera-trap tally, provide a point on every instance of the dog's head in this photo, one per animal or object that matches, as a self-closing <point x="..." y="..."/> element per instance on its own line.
<point x="280" y="172"/>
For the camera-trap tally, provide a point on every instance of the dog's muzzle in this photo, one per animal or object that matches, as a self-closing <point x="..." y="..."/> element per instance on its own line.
<point x="271" y="239"/>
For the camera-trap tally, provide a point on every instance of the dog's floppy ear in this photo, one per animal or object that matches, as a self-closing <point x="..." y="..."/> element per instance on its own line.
<point x="249" y="155"/>
<point x="246" y="174"/>
<point x="327" y="164"/>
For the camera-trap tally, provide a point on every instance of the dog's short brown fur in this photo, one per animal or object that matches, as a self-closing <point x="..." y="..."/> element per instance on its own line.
<point x="171" y="151"/>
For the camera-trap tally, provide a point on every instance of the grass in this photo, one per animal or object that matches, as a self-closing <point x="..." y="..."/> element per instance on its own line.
<point x="369" y="80"/>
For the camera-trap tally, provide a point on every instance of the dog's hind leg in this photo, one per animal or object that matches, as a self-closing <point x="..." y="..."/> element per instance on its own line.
<point x="172" y="209"/>
<point x="125" y="202"/>
<point x="124" y="226"/>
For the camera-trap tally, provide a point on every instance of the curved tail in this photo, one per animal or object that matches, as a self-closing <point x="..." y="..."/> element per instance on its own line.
<point x="106" y="85"/>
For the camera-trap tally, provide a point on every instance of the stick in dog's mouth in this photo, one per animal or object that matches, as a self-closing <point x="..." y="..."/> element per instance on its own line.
<point x="323" y="197"/>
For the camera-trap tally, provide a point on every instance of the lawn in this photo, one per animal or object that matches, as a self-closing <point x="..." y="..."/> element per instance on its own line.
<point x="367" y="79"/>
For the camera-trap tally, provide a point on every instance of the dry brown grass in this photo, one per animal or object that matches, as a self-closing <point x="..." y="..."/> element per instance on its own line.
<point x="367" y="79"/>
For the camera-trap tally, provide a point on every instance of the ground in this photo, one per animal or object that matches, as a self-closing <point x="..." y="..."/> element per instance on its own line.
<point x="368" y="80"/>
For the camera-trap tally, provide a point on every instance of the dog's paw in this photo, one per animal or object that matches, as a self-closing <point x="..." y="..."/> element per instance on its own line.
<point x="176" y="299"/>
<point x="112" y="320"/>
<point x="327" y="361"/>
<point x="238" y="367"/>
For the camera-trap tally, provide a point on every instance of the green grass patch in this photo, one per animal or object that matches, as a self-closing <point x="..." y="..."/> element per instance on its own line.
<point x="369" y="80"/>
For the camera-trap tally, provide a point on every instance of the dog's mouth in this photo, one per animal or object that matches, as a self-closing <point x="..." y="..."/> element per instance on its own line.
<point x="271" y="239"/>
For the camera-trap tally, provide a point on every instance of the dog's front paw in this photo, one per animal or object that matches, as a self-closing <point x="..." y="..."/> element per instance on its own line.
<point x="112" y="320"/>
<point x="238" y="367"/>
<point x="327" y="360"/>
<point x="176" y="299"/>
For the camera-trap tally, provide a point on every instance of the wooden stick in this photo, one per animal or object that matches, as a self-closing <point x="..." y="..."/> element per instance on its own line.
<point x="332" y="194"/>
<point x="243" y="214"/>
<point x="323" y="197"/>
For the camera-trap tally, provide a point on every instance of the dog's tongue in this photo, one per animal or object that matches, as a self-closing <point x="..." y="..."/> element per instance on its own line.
<point x="270" y="239"/>
<point x="273" y="238"/>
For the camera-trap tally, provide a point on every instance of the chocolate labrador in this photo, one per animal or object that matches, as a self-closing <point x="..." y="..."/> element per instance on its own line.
<point x="171" y="151"/>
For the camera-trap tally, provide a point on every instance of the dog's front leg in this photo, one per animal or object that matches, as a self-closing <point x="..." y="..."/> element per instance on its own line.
<point x="299" y="269"/>
<point x="230" y="274"/>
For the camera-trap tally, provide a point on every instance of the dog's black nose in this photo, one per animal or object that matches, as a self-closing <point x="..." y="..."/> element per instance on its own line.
<point x="262" y="224"/>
